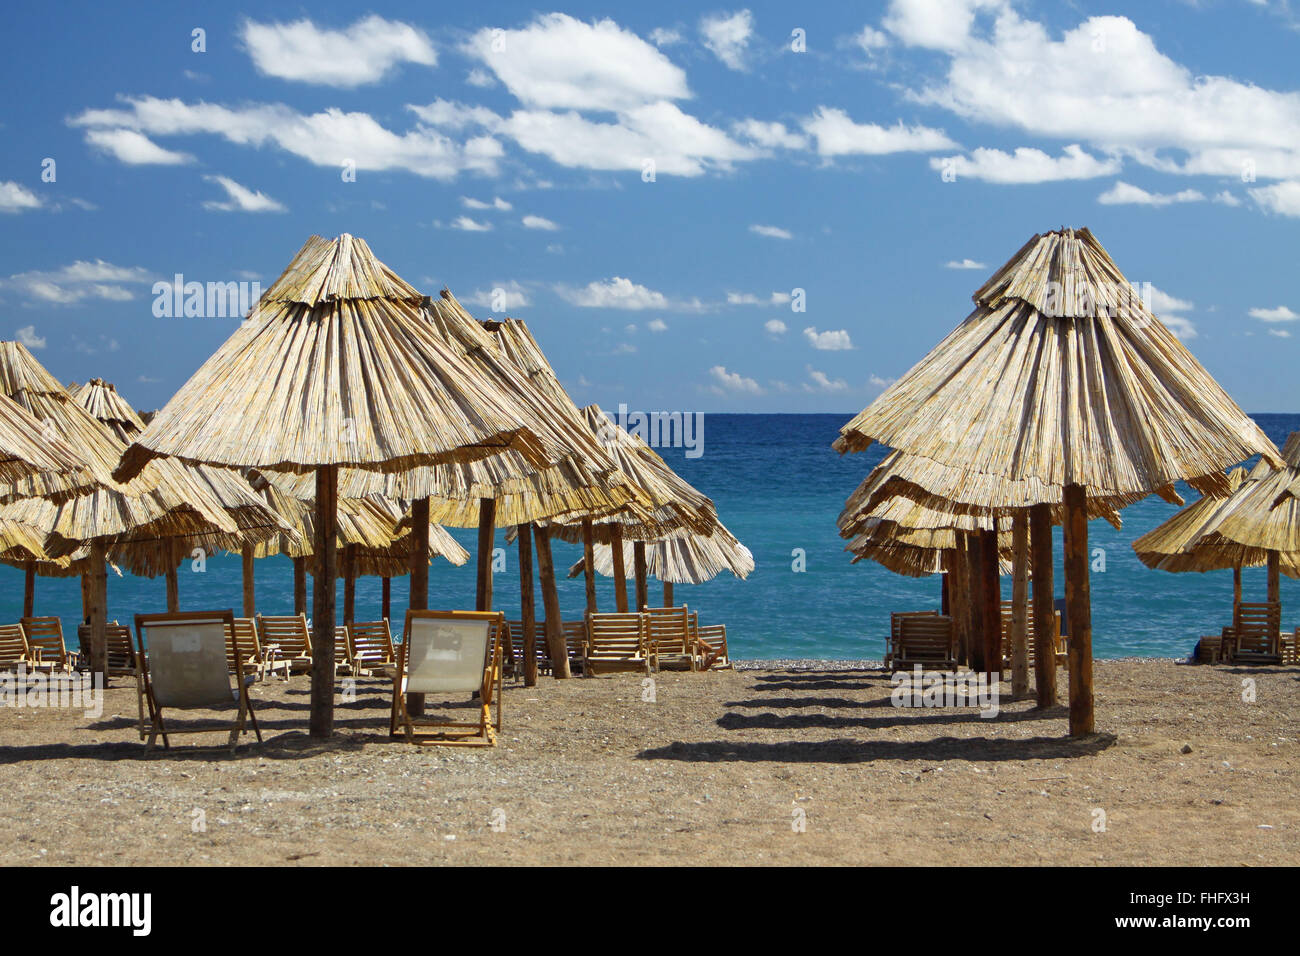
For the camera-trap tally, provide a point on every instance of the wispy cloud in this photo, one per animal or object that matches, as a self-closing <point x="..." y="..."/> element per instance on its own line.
<point x="241" y="198"/>
<point x="363" y="53"/>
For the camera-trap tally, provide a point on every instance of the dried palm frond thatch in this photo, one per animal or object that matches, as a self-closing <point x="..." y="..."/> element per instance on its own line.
<point x="682" y="559"/>
<point x="35" y="460"/>
<point x="1060" y="376"/>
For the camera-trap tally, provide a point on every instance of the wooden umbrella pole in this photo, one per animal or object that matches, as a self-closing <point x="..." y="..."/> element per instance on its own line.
<point x="85" y="598"/>
<point x="349" y="583"/>
<point x="299" y="585"/>
<point x="639" y="570"/>
<point x="1019" y="637"/>
<point x="1078" y="610"/>
<point x="173" y="585"/>
<point x="957" y="594"/>
<point x="945" y="595"/>
<point x="992" y="604"/>
<point x="668" y="594"/>
<point x="487" y="527"/>
<point x="589" y="563"/>
<point x="419" y="579"/>
<point x="1274" y="580"/>
<point x="29" y="589"/>
<point x="620" y="569"/>
<point x="978" y="598"/>
<point x="1040" y="548"/>
<point x="551" y="602"/>
<point x="527" y="604"/>
<point x="1236" y="589"/>
<point x="386" y="599"/>
<point x="98" y="612"/>
<point x="250" y="601"/>
<point x="321" y="722"/>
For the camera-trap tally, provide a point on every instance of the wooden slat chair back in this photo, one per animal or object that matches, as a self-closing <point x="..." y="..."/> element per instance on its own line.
<point x="515" y="647"/>
<point x="927" y="640"/>
<point x="1031" y="635"/>
<point x="575" y="642"/>
<point x="370" y="647"/>
<point x="119" y="654"/>
<point x="711" y="645"/>
<point x="450" y="652"/>
<point x="615" y="642"/>
<point x="291" y="636"/>
<point x="896" y="619"/>
<point x="668" y="636"/>
<point x="45" y="635"/>
<point x="1257" y="633"/>
<point x="185" y="665"/>
<point x="14" y="653"/>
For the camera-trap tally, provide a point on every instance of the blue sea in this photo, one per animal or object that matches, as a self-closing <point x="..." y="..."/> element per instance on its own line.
<point x="778" y="486"/>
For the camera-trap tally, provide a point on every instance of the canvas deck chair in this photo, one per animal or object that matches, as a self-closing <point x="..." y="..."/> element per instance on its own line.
<point x="45" y="637"/>
<point x="370" y="648"/>
<point x="927" y="640"/>
<point x="668" y="635"/>
<point x="711" y="644"/>
<point x="1256" y="634"/>
<point x="288" y="638"/>
<point x="184" y="666"/>
<point x="450" y="652"/>
<point x="14" y="652"/>
<point x="896" y="619"/>
<point x="615" y="642"/>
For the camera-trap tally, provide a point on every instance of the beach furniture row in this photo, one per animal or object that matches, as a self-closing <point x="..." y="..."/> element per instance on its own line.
<point x="928" y="639"/>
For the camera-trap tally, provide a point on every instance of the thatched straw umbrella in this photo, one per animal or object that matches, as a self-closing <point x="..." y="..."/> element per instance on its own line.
<point x="1059" y="387"/>
<point x="335" y="368"/>
<point x="682" y="559"/>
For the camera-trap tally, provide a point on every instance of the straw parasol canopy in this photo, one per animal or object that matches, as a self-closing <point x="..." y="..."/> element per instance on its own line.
<point x="1060" y="376"/>
<point x="335" y="367"/>
<point x="35" y="460"/>
<point x="683" y="559"/>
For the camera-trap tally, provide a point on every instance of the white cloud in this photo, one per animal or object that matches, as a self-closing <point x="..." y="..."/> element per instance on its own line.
<point x="869" y="40"/>
<point x="498" y="203"/>
<point x="1226" y="198"/>
<point x="657" y="325"/>
<point x="134" y="148"/>
<point x="821" y="382"/>
<point x="558" y="62"/>
<point x="1123" y="193"/>
<point x="538" y="222"/>
<point x="363" y="53"/>
<point x="828" y="341"/>
<point x="479" y="78"/>
<point x="733" y="382"/>
<point x="775" y="327"/>
<point x="77" y="282"/>
<point x="878" y="381"/>
<point x="16" y="198"/>
<point x="838" y="135"/>
<point x="1183" y="329"/>
<point x="935" y="24"/>
<point x="1281" y="198"/>
<point x="769" y="135"/>
<point x="964" y="264"/>
<point x="1026" y="165"/>
<point x="1159" y="301"/>
<point x="616" y="293"/>
<point x="749" y="298"/>
<point x="240" y="198"/>
<point x="466" y="224"/>
<point x="1280" y="333"/>
<point x="771" y="232"/>
<point x="727" y="36"/>
<point x="662" y="36"/>
<point x="502" y="297"/>
<point x="1279" y="314"/>
<point x="28" y="337"/>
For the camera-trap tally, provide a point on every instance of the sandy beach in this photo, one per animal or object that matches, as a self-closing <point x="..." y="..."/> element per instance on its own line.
<point x="785" y="764"/>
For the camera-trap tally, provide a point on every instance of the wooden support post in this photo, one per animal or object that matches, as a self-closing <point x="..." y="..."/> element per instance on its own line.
<point x="487" y="529"/>
<point x="620" y="569"/>
<point x="250" y="600"/>
<point x="321" y="721"/>
<point x="1040" y="554"/>
<point x="668" y="594"/>
<point x="1019" y="637"/>
<point x="957" y="592"/>
<point x="99" y="612"/>
<point x="978" y="598"/>
<point x="945" y="595"/>
<point x="1236" y="589"/>
<point x="1274" y="581"/>
<point x="29" y="589"/>
<point x="1078" y="610"/>
<point x="85" y="598"/>
<point x="299" y="585"/>
<point x="551" y="603"/>
<point x="386" y="599"/>
<point x="349" y="583"/>
<point x="589" y="563"/>
<point x="992" y="604"/>
<point x="173" y="584"/>
<point x="527" y="604"/>
<point x="640" y="572"/>
<point x="419" y="579"/>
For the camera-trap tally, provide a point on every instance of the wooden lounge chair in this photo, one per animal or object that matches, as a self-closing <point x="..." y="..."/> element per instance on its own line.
<point x="575" y="643"/>
<point x="895" y="631"/>
<point x="615" y="642"/>
<point x="288" y="638"/>
<point x="514" y="649"/>
<point x="1031" y="626"/>
<point x="450" y="652"/>
<point x="1291" y="647"/>
<point x="256" y="661"/>
<point x="1256" y="634"/>
<point x="342" y="659"/>
<point x="711" y="644"/>
<point x="370" y="648"/>
<point x="927" y="640"/>
<point x="14" y="652"/>
<point x="45" y="637"/>
<point x="120" y="654"/>
<point x="184" y="666"/>
<point x="668" y="638"/>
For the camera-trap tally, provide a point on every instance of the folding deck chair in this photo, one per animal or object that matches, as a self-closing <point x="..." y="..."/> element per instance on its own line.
<point x="183" y="665"/>
<point x="288" y="638"/>
<point x="896" y="619"/>
<point x="1256" y="634"/>
<point x="119" y="653"/>
<point x="668" y="635"/>
<point x="14" y="652"/>
<point x="711" y="644"/>
<point x="45" y="635"/>
<point x="450" y="652"/>
<point x="615" y="642"/>
<point x="925" y="639"/>
<point x="370" y="648"/>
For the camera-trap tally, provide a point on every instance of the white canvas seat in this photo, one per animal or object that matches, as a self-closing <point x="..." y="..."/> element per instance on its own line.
<point x="450" y="652"/>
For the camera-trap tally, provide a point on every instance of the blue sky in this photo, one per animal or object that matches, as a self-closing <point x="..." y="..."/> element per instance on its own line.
<point x="504" y="147"/>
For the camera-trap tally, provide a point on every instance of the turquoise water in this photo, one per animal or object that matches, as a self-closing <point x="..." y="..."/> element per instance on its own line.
<point x="778" y="487"/>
